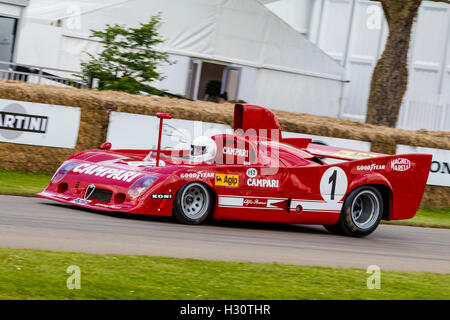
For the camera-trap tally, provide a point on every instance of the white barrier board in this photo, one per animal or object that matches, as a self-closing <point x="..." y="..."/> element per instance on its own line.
<point x="440" y="165"/>
<point x="39" y="124"/>
<point x="136" y="131"/>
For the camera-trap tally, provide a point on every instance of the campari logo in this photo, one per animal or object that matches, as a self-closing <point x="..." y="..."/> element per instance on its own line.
<point x="235" y="151"/>
<point x="400" y="164"/>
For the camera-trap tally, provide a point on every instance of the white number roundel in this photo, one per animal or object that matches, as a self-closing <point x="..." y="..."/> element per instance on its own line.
<point x="252" y="172"/>
<point x="333" y="184"/>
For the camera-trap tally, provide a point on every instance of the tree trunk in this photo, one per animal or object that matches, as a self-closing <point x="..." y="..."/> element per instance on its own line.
<point x="390" y="76"/>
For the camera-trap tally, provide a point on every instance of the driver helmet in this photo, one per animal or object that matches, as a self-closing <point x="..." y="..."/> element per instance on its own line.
<point x="203" y="149"/>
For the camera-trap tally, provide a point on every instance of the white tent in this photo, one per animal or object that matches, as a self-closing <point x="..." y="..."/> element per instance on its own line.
<point x="279" y="67"/>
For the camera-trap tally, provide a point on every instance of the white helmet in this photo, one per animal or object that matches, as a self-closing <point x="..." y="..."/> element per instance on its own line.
<point x="203" y="149"/>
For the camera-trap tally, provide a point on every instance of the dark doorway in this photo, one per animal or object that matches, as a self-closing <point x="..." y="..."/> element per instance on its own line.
<point x="207" y="76"/>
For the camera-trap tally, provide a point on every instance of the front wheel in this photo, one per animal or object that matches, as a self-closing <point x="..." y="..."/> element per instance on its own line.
<point x="193" y="203"/>
<point x="361" y="212"/>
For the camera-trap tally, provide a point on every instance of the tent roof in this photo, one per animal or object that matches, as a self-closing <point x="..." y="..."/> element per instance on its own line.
<point x="237" y="31"/>
<point x="53" y="10"/>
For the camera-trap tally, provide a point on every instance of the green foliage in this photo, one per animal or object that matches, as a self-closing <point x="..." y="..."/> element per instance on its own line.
<point x="213" y="88"/>
<point x="128" y="61"/>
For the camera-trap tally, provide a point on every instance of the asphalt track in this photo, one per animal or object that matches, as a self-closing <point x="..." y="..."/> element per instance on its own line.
<point x="41" y="224"/>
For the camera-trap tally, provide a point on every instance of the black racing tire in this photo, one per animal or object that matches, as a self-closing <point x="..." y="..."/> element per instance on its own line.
<point x="193" y="203"/>
<point x="361" y="212"/>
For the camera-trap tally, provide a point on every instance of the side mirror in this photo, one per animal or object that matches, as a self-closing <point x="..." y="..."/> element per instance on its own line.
<point x="106" y="146"/>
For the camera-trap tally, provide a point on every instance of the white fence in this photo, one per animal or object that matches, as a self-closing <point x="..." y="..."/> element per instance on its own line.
<point x="40" y="75"/>
<point x="417" y="113"/>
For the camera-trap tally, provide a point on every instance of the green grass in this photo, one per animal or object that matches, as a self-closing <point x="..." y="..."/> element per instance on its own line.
<point x="35" y="274"/>
<point x="427" y="217"/>
<point x="22" y="183"/>
<point x="28" y="184"/>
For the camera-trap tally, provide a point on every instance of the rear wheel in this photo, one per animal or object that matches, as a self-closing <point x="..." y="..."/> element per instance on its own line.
<point x="193" y="203"/>
<point x="361" y="212"/>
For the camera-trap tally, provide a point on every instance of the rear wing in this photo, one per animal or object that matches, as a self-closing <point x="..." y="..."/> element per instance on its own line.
<point x="320" y="150"/>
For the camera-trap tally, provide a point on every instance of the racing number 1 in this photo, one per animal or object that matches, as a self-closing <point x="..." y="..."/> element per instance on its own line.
<point x="332" y="180"/>
<point x="333" y="184"/>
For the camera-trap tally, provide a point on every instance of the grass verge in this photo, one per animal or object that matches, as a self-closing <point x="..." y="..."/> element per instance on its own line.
<point x="28" y="184"/>
<point x="427" y="217"/>
<point x="36" y="274"/>
<point x="22" y="183"/>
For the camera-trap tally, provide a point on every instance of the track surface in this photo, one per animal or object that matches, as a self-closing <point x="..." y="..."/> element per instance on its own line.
<point x="41" y="224"/>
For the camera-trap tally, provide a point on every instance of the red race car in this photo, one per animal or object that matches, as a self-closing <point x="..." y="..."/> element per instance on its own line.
<point x="253" y="175"/>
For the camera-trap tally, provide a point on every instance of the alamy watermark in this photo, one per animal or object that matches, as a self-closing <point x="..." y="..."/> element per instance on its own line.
<point x="73" y="21"/>
<point x="374" y="280"/>
<point x="74" y="280"/>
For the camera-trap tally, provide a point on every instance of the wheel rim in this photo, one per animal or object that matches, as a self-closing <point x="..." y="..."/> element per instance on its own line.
<point x="365" y="209"/>
<point x="195" y="201"/>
